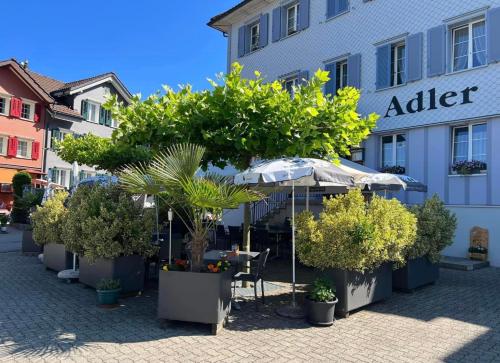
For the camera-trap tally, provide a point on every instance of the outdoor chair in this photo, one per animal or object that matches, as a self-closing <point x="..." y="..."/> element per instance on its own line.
<point x="254" y="277"/>
<point x="259" y="239"/>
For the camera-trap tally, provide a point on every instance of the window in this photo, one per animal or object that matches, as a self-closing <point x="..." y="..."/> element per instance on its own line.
<point x="254" y="37"/>
<point x="4" y="105"/>
<point x="61" y="177"/>
<point x="341" y="75"/>
<point x="3" y="145"/>
<point x="394" y="150"/>
<point x="23" y="149"/>
<point x="57" y="135"/>
<point x="292" y="19"/>
<point x="6" y="188"/>
<point x="27" y="110"/>
<point x="469" y="46"/>
<point x="469" y="143"/>
<point x="398" y="64"/>
<point x="90" y="111"/>
<point x="290" y="83"/>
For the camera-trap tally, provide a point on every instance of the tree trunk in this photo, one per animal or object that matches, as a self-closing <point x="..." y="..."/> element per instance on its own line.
<point x="198" y="245"/>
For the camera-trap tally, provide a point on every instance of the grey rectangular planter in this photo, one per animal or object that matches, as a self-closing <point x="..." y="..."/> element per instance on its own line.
<point x="55" y="257"/>
<point x="416" y="273"/>
<point x="194" y="297"/>
<point x="356" y="289"/>
<point x="128" y="269"/>
<point x="29" y="247"/>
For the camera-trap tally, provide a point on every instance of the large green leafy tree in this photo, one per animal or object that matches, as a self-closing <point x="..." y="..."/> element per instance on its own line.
<point x="237" y="120"/>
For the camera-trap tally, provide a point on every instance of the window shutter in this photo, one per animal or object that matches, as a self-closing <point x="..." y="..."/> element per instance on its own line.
<point x="264" y="30"/>
<point x="85" y="109"/>
<point x="12" y="146"/>
<point x="276" y="31"/>
<point x="107" y="118"/>
<point x="383" y="66"/>
<point x="53" y="175"/>
<point x="335" y="7"/>
<point x="102" y="116"/>
<point x="304" y="8"/>
<point x="414" y="54"/>
<point x="35" y="150"/>
<point x="493" y="35"/>
<point x="354" y="70"/>
<point x="436" y="51"/>
<point x="71" y="181"/>
<point x="38" y="112"/>
<point x="241" y="41"/>
<point x="331" y="84"/>
<point x="81" y="175"/>
<point x="15" y="107"/>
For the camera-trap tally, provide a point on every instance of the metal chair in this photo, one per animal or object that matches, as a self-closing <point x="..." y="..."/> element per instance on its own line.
<point x="254" y="277"/>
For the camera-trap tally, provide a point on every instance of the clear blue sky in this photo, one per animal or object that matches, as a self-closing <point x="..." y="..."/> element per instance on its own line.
<point x="147" y="43"/>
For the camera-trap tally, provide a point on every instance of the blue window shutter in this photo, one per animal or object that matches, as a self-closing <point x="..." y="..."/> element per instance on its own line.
<point x="414" y="54"/>
<point x="331" y="84"/>
<point x="493" y="35"/>
<point x="241" y="41"/>
<point x="383" y="66"/>
<point x="354" y="70"/>
<point x="276" y="24"/>
<point x="264" y="30"/>
<point x="304" y="9"/>
<point x="303" y="77"/>
<point x="336" y="7"/>
<point x="436" y="51"/>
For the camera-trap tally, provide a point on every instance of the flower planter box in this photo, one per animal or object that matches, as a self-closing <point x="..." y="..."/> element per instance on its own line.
<point x="416" y="273"/>
<point x="128" y="269"/>
<point x="29" y="247"/>
<point x="357" y="289"/>
<point x="55" y="257"/>
<point x="478" y="256"/>
<point x="195" y="297"/>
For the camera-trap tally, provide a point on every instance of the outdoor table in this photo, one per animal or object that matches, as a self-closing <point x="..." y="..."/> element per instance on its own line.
<point x="214" y="256"/>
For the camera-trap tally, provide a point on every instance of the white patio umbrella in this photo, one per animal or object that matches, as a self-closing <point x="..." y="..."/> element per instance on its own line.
<point x="293" y="172"/>
<point x="374" y="180"/>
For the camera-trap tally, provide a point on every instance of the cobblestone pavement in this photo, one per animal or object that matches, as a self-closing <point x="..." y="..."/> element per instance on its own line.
<point x="45" y="320"/>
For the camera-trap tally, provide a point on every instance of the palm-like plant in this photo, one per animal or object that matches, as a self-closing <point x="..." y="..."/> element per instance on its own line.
<point x="197" y="200"/>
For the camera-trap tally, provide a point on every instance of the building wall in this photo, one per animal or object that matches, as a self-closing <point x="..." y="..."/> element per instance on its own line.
<point x="429" y="133"/>
<point x="97" y="94"/>
<point x="11" y="85"/>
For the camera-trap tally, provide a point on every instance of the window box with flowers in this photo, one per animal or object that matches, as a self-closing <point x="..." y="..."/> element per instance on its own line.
<point x="400" y="170"/>
<point x="466" y="167"/>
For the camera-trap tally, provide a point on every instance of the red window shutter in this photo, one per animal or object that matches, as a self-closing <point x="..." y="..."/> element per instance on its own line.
<point x="15" y="107"/>
<point x="12" y="147"/>
<point x="35" y="150"/>
<point x="38" y="112"/>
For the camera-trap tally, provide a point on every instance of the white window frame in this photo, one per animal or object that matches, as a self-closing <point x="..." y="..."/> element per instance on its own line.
<point x="293" y="81"/>
<point x="97" y="110"/>
<point x="469" y="139"/>
<point x="7" y="104"/>
<point x="32" y="110"/>
<point x="394" y="58"/>
<point x="3" y="149"/>
<point x="254" y="46"/>
<point x="470" y="45"/>
<point x="58" y="178"/>
<point x="394" y="149"/>
<point x="295" y="26"/>
<point x="29" y="146"/>
<point x="340" y="76"/>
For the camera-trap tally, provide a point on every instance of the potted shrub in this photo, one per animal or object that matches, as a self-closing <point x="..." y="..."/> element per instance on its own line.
<point x="436" y="227"/>
<point x="4" y="220"/>
<point x="192" y="292"/>
<point x="355" y="243"/>
<point x="469" y="167"/>
<point x="47" y="222"/>
<point x="108" y="291"/>
<point x="111" y="235"/>
<point x="320" y="303"/>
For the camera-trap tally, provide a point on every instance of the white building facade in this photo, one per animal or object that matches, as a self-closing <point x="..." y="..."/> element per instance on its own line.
<point x="428" y="68"/>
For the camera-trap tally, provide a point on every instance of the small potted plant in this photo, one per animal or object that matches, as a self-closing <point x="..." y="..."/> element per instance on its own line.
<point x="108" y="291"/>
<point x="320" y="303"/>
<point x="478" y="253"/>
<point x="4" y="220"/>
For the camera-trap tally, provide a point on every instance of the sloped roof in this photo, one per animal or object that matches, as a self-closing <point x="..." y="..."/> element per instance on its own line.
<point x="48" y="84"/>
<point x="213" y="22"/>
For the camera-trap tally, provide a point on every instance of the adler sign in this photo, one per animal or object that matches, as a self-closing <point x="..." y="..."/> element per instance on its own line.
<point x="430" y="100"/>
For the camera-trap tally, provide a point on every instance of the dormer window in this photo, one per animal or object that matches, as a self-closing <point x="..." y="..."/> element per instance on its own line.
<point x="292" y="19"/>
